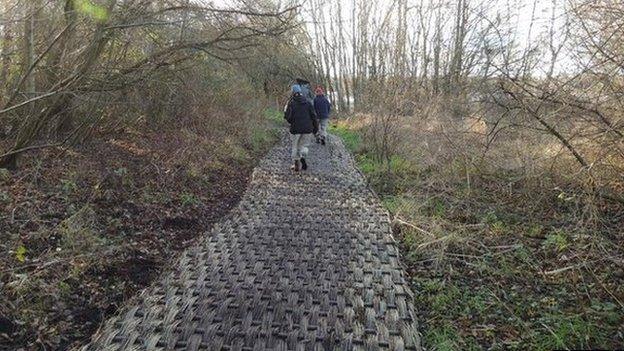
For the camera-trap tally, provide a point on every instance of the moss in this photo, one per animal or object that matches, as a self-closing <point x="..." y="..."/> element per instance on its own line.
<point x="5" y="175"/>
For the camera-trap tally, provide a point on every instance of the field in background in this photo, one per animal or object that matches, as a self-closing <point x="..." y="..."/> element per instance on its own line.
<point x="506" y="247"/>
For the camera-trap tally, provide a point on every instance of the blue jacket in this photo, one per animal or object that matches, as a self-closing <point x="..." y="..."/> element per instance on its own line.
<point x="322" y="106"/>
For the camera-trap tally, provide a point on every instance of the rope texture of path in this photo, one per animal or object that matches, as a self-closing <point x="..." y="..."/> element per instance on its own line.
<point x="304" y="262"/>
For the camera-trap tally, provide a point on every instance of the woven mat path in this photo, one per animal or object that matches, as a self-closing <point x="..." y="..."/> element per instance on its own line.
<point x="304" y="262"/>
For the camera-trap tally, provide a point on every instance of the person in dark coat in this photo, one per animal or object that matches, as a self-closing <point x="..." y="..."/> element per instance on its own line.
<point x="322" y="107"/>
<point x="301" y="116"/>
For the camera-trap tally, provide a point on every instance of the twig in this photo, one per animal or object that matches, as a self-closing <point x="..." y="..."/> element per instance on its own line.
<point x="513" y="313"/>
<point x="35" y="147"/>
<point x="231" y="11"/>
<point x="605" y="288"/>
<point x="510" y="248"/>
<point x="433" y="242"/>
<point x="141" y="24"/>
<point x="39" y="265"/>
<point x="555" y="335"/>
<point x="561" y="270"/>
<point x="582" y="264"/>
<point x="28" y="148"/>
<point x="31" y="68"/>
<point x="40" y="97"/>
<point x="403" y="222"/>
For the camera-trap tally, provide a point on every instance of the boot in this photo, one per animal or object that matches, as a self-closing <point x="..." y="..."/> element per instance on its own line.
<point x="304" y="164"/>
<point x="297" y="166"/>
<point x="322" y="140"/>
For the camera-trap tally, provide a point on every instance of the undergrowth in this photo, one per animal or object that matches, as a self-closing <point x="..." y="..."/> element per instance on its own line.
<point x="492" y="268"/>
<point x="83" y="233"/>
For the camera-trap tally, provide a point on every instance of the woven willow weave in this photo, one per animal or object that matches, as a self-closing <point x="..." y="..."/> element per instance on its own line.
<point x="304" y="262"/>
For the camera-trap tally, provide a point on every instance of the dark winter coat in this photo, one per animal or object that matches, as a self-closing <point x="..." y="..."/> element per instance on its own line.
<point x="301" y="116"/>
<point x="322" y="106"/>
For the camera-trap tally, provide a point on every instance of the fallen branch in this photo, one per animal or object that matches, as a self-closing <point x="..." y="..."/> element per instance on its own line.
<point x="564" y="269"/>
<point x="29" y="148"/>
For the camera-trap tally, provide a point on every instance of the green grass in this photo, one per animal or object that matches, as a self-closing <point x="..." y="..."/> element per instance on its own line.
<point x="260" y="138"/>
<point x="557" y="241"/>
<point x="444" y="338"/>
<point x="274" y="115"/>
<point x="351" y="139"/>
<point x="459" y="312"/>
<point x="188" y="199"/>
<point x="265" y="134"/>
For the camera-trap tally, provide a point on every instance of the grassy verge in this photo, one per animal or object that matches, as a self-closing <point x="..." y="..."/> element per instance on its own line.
<point x="492" y="269"/>
<point x="351" y="138"/>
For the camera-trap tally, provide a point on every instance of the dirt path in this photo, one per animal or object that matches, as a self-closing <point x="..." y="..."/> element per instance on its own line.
<point x="304" y="262"/>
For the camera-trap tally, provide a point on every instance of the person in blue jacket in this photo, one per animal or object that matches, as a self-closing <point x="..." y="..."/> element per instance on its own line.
<point x="322" y="106"/>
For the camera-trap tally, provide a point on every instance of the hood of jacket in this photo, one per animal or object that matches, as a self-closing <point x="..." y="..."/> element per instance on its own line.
<point x="299" y="98"/>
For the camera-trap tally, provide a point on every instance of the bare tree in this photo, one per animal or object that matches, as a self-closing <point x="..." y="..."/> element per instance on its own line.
<point x="91" y="51"/>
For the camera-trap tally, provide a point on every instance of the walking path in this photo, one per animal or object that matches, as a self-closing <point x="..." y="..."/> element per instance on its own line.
<point x="304" y="262"/>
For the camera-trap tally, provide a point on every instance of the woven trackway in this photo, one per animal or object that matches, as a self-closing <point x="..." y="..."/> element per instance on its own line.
<point x="304" y="262"/>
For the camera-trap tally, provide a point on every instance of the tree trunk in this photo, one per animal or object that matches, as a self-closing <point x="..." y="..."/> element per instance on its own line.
<point x="5" y="60"/>
<point x="29" y="48"/>
<point x="65" y="122"/>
